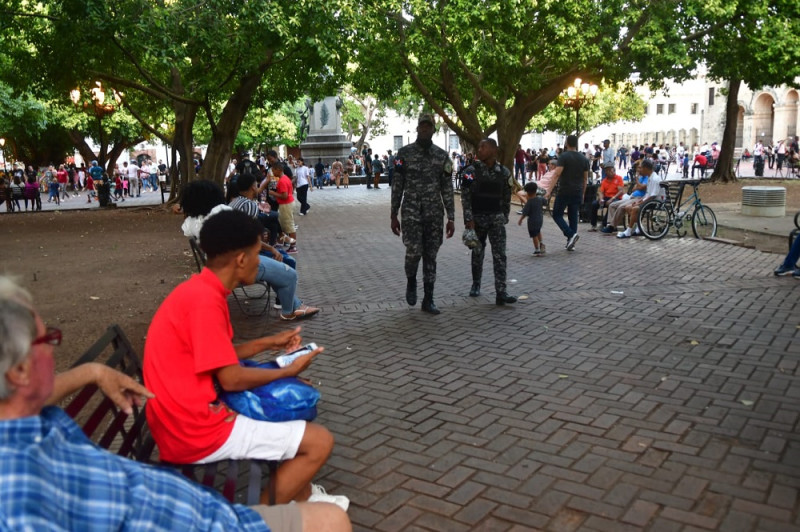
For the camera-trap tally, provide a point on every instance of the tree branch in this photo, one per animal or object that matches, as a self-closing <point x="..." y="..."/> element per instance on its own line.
<point x="207" y="109"/>
<point x="122" y="82"/>
<point x="144" y="122"/>
<point x="476" y="84"/>
<point x="145" y="74"/>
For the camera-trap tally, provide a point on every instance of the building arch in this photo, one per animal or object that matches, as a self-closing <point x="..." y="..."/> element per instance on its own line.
<point x="764" y="117"/>
<point x="791" y="101"/>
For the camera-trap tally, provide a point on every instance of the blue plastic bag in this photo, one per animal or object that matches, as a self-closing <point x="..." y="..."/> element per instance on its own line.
<point x="286" y="399"/>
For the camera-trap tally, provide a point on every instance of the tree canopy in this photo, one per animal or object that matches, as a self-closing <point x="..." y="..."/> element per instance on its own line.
<point x="489" y="67"/>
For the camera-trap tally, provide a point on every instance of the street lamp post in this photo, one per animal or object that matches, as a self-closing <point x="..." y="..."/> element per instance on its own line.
<point x="99" y="108"/>
<point x="578" y="95"/>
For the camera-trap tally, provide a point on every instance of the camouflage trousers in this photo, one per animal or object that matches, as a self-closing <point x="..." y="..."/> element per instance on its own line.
<point x="422" y="238"/>
<point x="493" y="226"/>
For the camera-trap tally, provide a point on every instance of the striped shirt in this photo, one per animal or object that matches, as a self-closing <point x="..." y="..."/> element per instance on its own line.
<point x="53" y="478"/>
<point x="246" y="205"/>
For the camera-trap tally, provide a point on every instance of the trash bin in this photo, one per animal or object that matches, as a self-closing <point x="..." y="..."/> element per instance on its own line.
<point x="103" y="190"/>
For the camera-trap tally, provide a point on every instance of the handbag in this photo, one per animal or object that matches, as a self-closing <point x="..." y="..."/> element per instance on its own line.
<point x="286" y="399"/>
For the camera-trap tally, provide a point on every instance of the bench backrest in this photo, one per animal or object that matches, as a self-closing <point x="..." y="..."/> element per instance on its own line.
<point x="129" y="435"/>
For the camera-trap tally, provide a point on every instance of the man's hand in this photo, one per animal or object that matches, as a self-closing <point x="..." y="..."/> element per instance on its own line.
<point x="301" y="363"/>
<point x="450" y="228"/>
<point x="469" y="225"/>
<point x="288" y="340"/>
<point x="395" y="225"/>
<point x="123" y="390"/>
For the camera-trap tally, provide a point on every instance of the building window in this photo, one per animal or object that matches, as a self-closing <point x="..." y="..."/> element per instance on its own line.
<point x="398" y="142"/>
<point x="694" y="108"/>
<point x="711" y="96"/>
<point x="647" y="109"/>
<point x="671" y="109"/>
<point x="454" y="144"/>
<point x="659" y="108"/>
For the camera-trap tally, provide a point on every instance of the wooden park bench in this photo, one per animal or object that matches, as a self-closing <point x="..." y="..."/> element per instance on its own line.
<point x="240" y="481"/>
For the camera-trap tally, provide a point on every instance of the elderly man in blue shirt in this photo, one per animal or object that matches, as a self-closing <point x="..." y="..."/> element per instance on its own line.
<point x="53" y="478"/>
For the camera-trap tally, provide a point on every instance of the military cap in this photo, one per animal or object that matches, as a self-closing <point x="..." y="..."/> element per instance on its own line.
<point x="426" y="117"/>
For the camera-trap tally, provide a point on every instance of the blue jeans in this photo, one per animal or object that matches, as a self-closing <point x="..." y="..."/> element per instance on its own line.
<point x="283" y="279"/>
<point x="573" y="206"/>
<point x="794" y="254"/>
<point x="519" y="172"/>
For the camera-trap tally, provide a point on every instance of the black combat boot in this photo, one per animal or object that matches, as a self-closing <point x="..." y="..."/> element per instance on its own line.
<point x="427" y="301"/>
<point x="503" y="298"/>
<point x="411" y="291"/>
<point x="475" y="291"/>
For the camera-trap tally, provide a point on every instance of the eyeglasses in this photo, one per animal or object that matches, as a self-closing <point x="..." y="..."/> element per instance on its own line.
<point x="52" y="336"/>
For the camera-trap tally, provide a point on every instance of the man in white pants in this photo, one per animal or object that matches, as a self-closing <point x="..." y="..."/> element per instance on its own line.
<point x="133" y="179"/>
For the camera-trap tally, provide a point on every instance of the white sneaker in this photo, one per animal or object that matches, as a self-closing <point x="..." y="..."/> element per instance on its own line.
<point x="318" y="494"/>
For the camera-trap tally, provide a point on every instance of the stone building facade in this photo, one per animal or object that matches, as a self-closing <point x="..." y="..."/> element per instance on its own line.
<point x="693" y="112"/>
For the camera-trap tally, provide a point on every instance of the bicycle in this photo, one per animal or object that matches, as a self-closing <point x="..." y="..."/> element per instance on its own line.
<point x="657" y="215"/>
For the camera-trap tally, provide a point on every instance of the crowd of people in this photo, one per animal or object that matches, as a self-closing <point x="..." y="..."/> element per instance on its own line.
<point x="22" y="187"/>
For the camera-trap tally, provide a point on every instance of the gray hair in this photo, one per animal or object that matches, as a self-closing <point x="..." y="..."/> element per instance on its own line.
<point x="17" y="329"/>
<point x="648" y="163"/>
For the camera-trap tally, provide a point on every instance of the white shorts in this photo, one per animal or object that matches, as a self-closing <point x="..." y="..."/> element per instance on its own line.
<point x="261" y="440"/>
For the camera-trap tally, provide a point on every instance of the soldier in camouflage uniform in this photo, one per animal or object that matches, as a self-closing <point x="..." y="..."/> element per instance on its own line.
<point x="422" y="182"/>
<point x="486" y="199"/>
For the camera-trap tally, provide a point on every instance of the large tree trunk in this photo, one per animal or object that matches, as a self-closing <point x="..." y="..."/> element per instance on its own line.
<point x="80" y="144"/>
<point x="184" y="142"/>
<point x="723" y="171"/>
<point x="510" y="127"/>
<point x="117" y="150"/>
<point x="220" y="148"/>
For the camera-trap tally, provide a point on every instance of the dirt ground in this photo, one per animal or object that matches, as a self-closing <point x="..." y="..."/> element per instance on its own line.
<point x="89" y="269"/>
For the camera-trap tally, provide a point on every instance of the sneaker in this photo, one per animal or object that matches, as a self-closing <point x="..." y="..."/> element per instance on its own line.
<point x="607" y="229"/>
<point x="572" y="241"/>
<point x="292" y="249"/>
<point x="796" y="273"/>
<point x="318" y="494"/>
<point x="593" y="229"/>
<point x="782" y="270"/>
<point x="536" y="253"/>
<point x="519" y="212"/>
<point x="541" y="249"/>
<point x="624" y="234"/>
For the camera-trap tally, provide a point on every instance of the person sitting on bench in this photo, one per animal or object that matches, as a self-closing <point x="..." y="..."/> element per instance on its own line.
<point x="201" y="199"/>
<point x="189" y="351"/>
<point x="52" y="477"/>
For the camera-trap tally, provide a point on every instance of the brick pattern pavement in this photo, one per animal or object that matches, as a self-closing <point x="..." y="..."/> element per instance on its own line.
<point x="640" y="386"/>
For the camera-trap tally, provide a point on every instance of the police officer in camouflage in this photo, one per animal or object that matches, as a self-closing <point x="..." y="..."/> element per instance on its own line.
<point x="486" y="199"/>
<point x="422" y="183"/>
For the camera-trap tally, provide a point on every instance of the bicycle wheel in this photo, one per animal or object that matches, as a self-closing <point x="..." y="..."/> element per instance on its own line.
<point x="654" y="220"/>
<point x="704" y="222"/>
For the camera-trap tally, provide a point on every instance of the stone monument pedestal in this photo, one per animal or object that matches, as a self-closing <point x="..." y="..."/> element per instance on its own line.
<point x="325" y="139"/>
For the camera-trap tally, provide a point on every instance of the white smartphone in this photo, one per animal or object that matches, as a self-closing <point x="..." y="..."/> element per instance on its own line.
<point x="288" y="358"/>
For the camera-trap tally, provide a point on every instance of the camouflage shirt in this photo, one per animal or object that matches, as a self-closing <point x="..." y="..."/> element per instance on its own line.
<point x="486" y="190"/>
<point x="423" y="183"/>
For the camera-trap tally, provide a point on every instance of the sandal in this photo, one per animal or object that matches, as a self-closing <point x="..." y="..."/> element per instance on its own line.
<point x="301" y="312"/>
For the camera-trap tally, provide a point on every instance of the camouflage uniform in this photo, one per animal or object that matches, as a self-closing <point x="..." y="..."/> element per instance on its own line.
<point x="486" y="200"/>
<point x="422" y="182"/>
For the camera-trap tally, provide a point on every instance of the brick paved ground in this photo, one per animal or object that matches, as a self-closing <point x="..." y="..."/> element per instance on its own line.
<point x="672" y="405"/>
